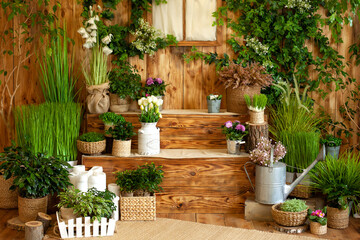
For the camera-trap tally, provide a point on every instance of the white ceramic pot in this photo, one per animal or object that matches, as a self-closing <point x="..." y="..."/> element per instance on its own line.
<point x="148" y="139"/>
<point x="233" y="146"/>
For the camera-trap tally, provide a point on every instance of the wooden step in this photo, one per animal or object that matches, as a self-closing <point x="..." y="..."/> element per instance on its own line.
<point x="181" y="128"/>
<point x="214" y="182"/>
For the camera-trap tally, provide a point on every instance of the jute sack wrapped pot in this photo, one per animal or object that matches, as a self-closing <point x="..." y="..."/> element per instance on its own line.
<point x="8" y="198"/>
<point x="235" y="101"/>
<point x="289" y="219"/>
<point x="256" y="117"/>
<point x="29" y="208"/>
<point x="98" y="100"/>
<point x="91" y="148"/>
<point x="121" y="148"/>
<point x="317" y="228"/>
<point x="118" y="104"/>
<point x="338" y="219"/>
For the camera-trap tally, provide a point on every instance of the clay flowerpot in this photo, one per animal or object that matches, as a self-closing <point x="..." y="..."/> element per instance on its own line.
<point x="317" y="228"/>
<point x="213" y="106"/>
<point x="29" y="208"/>
<point x="8" y="198"/>
<point x="91" y="148"/>
<point x="338" y="219"/>
<point x="121" y="148"/>
<point x="67" y="214"/>
<point x="119" y="105"/>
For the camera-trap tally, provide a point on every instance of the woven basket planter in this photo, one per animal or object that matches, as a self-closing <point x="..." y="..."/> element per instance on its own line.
<point x="235" y="101"/>
<point x="138" y="208"/>
<point x="91" y="148"/>
<point x="8" y="198"/>
<point x="317" y="228"/>
<point x="289" y="219"/>
<point x="121" y="148"/>
<point x="29" y="208"/>
<point x="301" y="191"/>
<point x="256" y="117"/>
<point x="338" y="219"/>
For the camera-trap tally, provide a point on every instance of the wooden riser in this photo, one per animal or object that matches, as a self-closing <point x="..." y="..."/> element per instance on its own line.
<point x="187" y="129"/>
<point x="191" y="185"/>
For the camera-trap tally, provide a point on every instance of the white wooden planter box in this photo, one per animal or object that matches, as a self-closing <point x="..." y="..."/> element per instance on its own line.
<point x="82" y="227"/>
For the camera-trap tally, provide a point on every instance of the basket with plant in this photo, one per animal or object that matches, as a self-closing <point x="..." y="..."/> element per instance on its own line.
<point x="110" y="119"/>
<point x="291" y="213"/>
<point x="240" y="79"/>
<point x="91" y="143"/>
<point x="256" y="107"/>
<point x="213" y="103"/>
<point x="318" y="221"/>
<point x="122" y="133"/>
<point x="332" y="145"/>
<point x="235" y="133"/>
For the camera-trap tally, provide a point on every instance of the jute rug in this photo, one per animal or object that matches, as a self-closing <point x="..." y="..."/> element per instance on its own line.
<point x="170" y="229"/>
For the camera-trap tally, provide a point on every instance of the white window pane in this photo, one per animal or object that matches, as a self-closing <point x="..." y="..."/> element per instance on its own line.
<point x="169" y="17"/>
<point x="199" y="20"/>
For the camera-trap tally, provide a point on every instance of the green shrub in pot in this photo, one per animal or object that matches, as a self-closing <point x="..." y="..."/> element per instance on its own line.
<point x="125" y="81"/>
<point x="332" y="145"/>
<point x="122" y="131"/>
<point x="111" y="118"/>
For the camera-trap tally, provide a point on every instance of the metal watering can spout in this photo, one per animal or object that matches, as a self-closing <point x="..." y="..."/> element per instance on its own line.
<point x="289" y="188"/>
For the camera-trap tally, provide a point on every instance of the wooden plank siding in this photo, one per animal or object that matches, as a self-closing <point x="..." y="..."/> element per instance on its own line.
<point x="189" y="83"/>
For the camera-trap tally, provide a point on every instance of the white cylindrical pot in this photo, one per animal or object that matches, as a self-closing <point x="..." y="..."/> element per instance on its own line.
<point x="112" y="187"/>
<point x="98" y="181"/>
<point x="148" y="139"/>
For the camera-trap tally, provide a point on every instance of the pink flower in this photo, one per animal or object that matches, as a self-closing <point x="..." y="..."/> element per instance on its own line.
<point x="240" y="127"/>
<point x="321" y="215"/>
<point x="159" y="80"/>
<point x="228" y="124"/>
<point x="147" y="95"/>
<point x="149" y="81"/>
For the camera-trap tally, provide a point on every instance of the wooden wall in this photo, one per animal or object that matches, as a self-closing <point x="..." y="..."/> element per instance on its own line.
<point x="189" y="83"/>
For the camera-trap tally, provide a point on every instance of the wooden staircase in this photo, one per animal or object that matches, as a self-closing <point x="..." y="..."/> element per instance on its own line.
<point x="200" y="177"/>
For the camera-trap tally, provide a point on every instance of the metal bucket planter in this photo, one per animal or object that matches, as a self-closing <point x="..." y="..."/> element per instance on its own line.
<point x="234" y="146"/>
<point x="333" y="151"/>
<point x="213" y="106"/>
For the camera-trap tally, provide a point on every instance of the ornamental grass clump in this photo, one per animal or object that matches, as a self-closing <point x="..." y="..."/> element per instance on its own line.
<point x="293" y="205"/>
<point x="257" y="103"/>
<point x="261" y="155"/>
<point x="234" y="130"/>
<point x="150" y="109"/>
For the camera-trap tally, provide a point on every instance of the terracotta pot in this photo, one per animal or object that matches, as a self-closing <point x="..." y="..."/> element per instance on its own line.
<point x="235" y="101"/>
<point x="121" y="148"/>
<point x="317" y="228"/>
<point x="29" y="208"/>
<point x="8" y="198"/>
<point x="338" y="219"/>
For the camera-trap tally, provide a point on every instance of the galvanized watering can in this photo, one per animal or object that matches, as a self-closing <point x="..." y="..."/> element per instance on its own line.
<point x="270" y="184"/>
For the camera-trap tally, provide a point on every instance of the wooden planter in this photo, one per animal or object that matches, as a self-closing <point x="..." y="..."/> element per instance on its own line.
<point x="138" y="208"/>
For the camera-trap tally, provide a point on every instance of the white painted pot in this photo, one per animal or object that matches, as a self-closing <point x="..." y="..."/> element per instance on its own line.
<point x="148" y="139"/>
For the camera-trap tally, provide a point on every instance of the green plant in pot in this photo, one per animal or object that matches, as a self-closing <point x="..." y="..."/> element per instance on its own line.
<point x="93" y="203"/>
<point x="128" y="182"/>
<point x="35" y="176"/>
<point x="213" y="103"/>
<point x="318" y="221"/>
<point x="256" y="107"/>
<point x="332" y="145"/>
<point x="110" y="119"/>
<point x="122" y="133"/>
<point x="292" y="212"/>
<point x="91" y="143"/>
<point x="339" y="181"/>
<point x="235" y="133"/>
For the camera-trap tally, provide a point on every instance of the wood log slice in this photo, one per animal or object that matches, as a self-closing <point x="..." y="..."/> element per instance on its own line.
<point x="44" y="219"/>
<point x="34" y="230"/>
<point x="256" y="131"/>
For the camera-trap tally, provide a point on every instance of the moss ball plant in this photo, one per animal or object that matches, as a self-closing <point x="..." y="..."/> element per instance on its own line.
<point x="92" y="137"/>
<point x="293" y="205"/>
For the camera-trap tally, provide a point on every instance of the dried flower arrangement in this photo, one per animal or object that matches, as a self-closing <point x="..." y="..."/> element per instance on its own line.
<point x="262" y="153"/>
<point x="238" y="76"/>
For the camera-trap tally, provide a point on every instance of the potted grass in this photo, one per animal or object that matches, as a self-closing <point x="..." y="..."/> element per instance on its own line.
<point x="332" y="145"/>
<point x="239" y="79"/>
<point x="291" y="213"/>
<point x="155" y="87"/>
<point x="339" y="181"/>
<point x="256" y="107"/>
<point x="213" y="103"/>
<point x="91" y="143"/>
<point x="235" y="133"/>
<point x="318" y="221"/>
<point x="35" y="177"/>
<point x="110" y="119"/>
<point x="122" y="133"/>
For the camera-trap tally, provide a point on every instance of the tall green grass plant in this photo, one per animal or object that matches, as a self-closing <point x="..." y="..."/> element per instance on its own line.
<point x="97" y="73"/>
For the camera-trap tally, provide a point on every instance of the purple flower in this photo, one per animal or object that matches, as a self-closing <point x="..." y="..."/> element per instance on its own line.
<point x="240" y="127"/>
<point x="149" y="81"/>
<point x="159" y="80"/>
<point x="228" y="124"/>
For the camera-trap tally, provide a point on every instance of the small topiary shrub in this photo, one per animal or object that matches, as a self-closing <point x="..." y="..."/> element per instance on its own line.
<point x="92" y="137"/>
<point x="293" y="205"/>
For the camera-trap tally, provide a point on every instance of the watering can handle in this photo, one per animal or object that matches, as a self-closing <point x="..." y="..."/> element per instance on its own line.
<point x="247" y="174"/>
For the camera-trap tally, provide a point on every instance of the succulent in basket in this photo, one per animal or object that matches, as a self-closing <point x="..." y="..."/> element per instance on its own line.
<point x="122" y="133"/>
<point x="91" y="143"/>
<point x="262" y="153"/>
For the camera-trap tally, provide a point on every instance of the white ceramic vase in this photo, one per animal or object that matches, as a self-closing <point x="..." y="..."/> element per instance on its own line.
<point x="148" y="139"/>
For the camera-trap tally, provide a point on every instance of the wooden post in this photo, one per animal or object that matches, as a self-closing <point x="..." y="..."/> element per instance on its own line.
<point x="256" y="131"/>
<point x="34" y="230"/>
<point x="44" y="219"/>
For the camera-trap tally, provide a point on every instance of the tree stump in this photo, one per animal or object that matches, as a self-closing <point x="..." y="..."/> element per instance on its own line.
<point x="44" y="219"/>
<point x="256" y="131"/>
<point x="34" y="230"/>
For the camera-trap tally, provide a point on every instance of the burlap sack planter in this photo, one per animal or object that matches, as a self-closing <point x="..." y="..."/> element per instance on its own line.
<point x="289" y="219"/>
<point x="29" y="208"/>
<point x="98" y="100"/>
<point x="256" y="117"/>
<point x="121" y="148"/>
<point x="235" y="101"/>
<point x="338" y="219"/>
<point x="91" y="148"/>
<point x="118" y="104"/>
<point x="138" y="208"/>
<point x="8" y="198"/>
<point x="317" y="228"/>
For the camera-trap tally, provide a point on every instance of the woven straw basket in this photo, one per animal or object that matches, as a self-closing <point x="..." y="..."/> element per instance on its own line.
<point x="338" y="219"/>
<point x="8" y="198"/>
<point x="29" y="208"/>
<point x="91" y="148"/>
<point x="138" y="208"/>
<point x="301" y="191"/>
<point x="121" y="148"/>
<point x="317" y="228"/>
<point x="235" y="101"/>
<point x="289" y="219"/>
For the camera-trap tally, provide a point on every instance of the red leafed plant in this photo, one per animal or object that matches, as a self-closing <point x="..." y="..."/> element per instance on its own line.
<point x="237" y="76"/>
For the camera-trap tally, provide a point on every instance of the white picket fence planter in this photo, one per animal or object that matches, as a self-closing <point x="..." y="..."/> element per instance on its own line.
<point x="82" y="227"/>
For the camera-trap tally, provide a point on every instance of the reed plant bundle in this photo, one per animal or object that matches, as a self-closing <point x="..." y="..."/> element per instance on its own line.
<point x="97" y="72"/>
<point x="57" y="77"/>
<point x="50" y="128"/>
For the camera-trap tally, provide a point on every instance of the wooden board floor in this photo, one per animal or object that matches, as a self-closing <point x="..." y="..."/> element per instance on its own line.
<point x="232" y="220"/>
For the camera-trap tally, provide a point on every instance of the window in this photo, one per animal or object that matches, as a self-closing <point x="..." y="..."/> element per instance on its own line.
<point x="190" y="21"/>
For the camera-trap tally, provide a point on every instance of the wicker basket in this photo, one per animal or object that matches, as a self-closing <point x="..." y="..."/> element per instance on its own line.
<point x="8" y="198"/>
<point x="29" y="208"/>
<point x="317" y="228"/>
<point x="91" y="148"/>
<point x="121" y="148"/>
<point x="256" y="117"/>
<point x="338" y="219"/>
<point x="235" y="101"/>
<point x="289" y="219"/>
<point x="301" y="191"/>
<point x="138" y="208"/>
